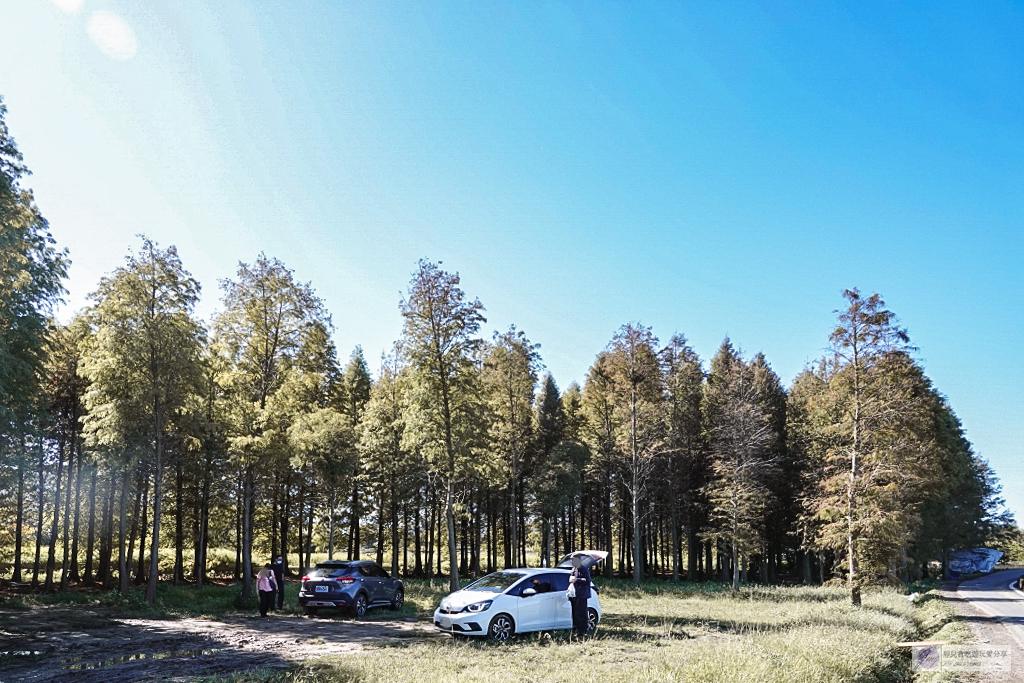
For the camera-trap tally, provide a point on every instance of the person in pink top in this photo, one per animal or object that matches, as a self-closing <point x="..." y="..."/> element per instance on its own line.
<point x="266" y="583"/>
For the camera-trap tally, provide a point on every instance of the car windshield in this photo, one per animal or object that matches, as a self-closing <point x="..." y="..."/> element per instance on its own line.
<point x="495" y="583"/>
<point x="332" y="571"/>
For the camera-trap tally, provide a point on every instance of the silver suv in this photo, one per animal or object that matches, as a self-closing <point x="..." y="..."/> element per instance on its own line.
<point x="354" y="586"/>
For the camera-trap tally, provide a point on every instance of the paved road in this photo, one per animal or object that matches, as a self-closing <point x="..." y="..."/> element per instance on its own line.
<point x="996" y="614"/>
<point x="992" y="595"/>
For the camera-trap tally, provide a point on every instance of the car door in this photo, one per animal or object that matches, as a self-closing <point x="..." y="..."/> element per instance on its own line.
<point x="562" y="606"/>
<point x="537" y="612"/>
<point x="386" y="585"/>
<point x="372" y="582"/>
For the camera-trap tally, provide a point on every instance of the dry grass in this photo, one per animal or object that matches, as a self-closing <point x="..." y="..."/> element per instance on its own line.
<point x="671" y="633"/>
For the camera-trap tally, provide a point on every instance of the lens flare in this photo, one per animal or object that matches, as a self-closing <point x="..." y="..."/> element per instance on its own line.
<point x="112" y="35"/>
<point x="69" y="6"/>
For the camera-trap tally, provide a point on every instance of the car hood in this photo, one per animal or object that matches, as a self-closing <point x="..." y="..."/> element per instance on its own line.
<point x="460" y="599"/>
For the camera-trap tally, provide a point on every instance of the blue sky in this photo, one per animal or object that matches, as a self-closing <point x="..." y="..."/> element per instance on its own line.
<point x="706" y="168"/>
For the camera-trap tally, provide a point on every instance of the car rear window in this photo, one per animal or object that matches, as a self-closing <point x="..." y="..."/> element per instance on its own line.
<point x="333" y="572"/>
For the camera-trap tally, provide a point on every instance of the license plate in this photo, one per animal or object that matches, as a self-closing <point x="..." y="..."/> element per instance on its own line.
<point x="322" y="589"/>
<point x="446" y="622"/>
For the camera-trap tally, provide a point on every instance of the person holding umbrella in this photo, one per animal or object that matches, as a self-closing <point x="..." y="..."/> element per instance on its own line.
<point x="579" y="581"/>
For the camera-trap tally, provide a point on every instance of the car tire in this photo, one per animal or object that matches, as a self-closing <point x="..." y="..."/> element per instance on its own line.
<point x="360" y="606"/>
<point x="592" y="620"/>
<point x="398" y="601"/>
<point x="501" y="628"/>
<point x="309" y="611"/>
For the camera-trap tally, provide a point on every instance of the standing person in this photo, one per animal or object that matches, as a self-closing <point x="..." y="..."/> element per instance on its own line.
<point x="266" y="584"/>
<point x="279" y="578"/>
<point x="580" y="579"/>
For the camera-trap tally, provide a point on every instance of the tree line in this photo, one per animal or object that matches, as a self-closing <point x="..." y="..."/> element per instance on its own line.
<point x="138" y="428"/>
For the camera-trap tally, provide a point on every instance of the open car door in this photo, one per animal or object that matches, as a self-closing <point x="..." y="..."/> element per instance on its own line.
<point x="590" y="558"/>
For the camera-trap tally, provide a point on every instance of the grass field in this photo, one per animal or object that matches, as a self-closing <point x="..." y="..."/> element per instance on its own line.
<point x="661" y="632"/>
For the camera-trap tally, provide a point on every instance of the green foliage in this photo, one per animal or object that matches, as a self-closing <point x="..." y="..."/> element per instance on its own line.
<point x="32" y="271"/>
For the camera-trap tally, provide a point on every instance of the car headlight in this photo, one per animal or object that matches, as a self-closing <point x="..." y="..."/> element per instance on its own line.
<point x="478" y="606"/>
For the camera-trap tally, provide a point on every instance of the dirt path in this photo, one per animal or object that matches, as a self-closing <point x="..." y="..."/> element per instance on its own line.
<point x="92" y="645"/>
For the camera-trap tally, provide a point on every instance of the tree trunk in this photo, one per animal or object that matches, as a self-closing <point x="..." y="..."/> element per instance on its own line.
<point x="638" y="558"/>
<point x="39" y="523"/>
<point x="417" y="564"/>
<point x="204" y="531"/>
<point x="91" y="539"/>
<point x="143" y="513"/>
<point x="453" y="559"/>
<point x="74" y="574"/>
<point x="66" y="542"/>
<point x="676" y="551"/>
<point x="309" y="536"/>
<point x="246" y="568"/>
<point x="394" y="529"/>
<point x="122" y="558"/>
<point x="107" y="533"/>
<point x="179" y="521"/>
<point x="355" y="522"/>
<point x="693" y="552"/>
<point x="19" y="523"/>
<point x="330" y="524"/>
<point x="238" y="529"/>
<point x="380" y="528"/>
<point x="154" y="559"/>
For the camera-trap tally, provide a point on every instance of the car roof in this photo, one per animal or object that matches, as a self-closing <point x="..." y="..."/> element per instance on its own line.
<point x="532" y="571"/>
<point x="343" y="563"/>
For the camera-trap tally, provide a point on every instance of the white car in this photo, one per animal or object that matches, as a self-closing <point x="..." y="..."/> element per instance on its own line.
<point x="512" y="601"/>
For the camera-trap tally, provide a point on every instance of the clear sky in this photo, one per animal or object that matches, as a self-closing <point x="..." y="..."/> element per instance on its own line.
<point x="706" y="168"/>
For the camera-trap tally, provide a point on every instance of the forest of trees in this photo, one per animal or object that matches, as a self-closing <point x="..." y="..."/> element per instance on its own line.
<point x="140" y="444"/>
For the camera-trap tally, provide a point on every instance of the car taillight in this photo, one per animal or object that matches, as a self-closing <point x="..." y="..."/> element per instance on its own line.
<point x="345" y="579"/>
<point x="305" y="578"/>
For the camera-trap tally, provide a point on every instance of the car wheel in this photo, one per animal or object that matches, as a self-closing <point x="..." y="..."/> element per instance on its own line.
<point x="502" y="628"/>
<point x="359" y="606"/>
<point x="399" y="600"/>
<point x="591" y="620"/>
<point x="309" y="611"/>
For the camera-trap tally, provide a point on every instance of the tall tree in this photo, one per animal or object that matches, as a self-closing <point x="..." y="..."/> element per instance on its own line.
<point x="356" y="387"/>
<point x="638" y="387"/>
<point x="382" y="427"/>
<point x="267" y="317"/>
<point x="144" y="361"/>
<point x="440" y="343"/>
<point x="880" y="453"/>
<point x="510" y="377"/>
<point x="32" y="271"/>
<point x="740" y="435"/>
<point x="687" y="462"/>
<point x="550" y="421"/>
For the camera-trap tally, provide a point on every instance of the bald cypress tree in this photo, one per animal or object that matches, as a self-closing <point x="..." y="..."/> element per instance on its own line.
<point x="445" y="421"/>
<point x="880" y="454"/>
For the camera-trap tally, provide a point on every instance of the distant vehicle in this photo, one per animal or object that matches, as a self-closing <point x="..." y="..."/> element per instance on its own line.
<point x="353" y="586"/>
<point x="512" y="601"/>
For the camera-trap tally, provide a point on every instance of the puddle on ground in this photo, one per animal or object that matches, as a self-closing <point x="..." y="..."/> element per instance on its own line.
<point x="76" y="663"/>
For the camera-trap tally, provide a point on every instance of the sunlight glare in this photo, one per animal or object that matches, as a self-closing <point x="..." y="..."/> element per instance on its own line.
<point x="112" y="35"/>
<point x="69" y="6"/>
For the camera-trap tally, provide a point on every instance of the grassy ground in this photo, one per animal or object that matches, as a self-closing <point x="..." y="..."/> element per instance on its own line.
<point x="667" y="632"/>
<point x="663" y="631"/>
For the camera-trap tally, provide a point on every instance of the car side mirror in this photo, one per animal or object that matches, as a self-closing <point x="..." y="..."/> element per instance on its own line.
<point x="528" y="592"/>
